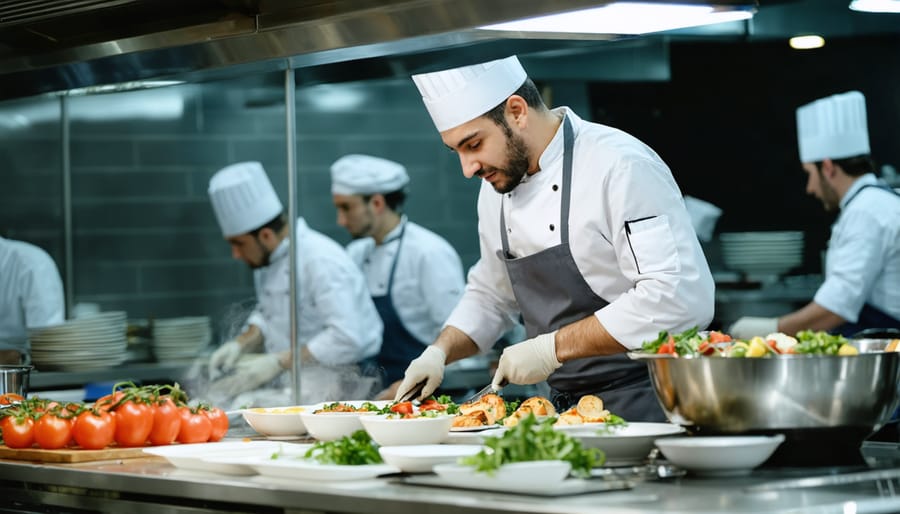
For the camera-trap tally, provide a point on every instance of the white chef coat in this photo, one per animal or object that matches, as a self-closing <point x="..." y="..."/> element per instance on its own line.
<point x="630" y="235"/>
<point x="337" y="320"/>
<point x="428" y="282"/>
<point x="862" y="264"/>
<point x="31" y="293"/>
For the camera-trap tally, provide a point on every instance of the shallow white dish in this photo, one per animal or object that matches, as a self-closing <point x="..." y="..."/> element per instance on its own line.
<point x="328" y="426"/>
<point x="304" y="469"/>
<point x="221" y="457"/>
<point x="525" y="475"/>
<point x="422" y="458"/>
<point x="275" y="422"/>
<point x="623" y="445"/>
<point x="400" y="432"/>
<point x="719" y="455"/>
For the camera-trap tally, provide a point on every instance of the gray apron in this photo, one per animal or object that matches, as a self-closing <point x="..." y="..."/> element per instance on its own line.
<point x="552" y="293"/>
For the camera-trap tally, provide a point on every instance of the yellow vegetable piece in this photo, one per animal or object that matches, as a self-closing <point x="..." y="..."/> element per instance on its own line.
<point x="757" y="348"/>
<point x="847" y="349"/>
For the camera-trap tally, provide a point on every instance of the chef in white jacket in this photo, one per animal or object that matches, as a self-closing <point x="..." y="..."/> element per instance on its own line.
<point x="414" y="275"/>
<point x="337" y="321"/>
<point x="583" y="231"/>
<point x="862" y="265"/>
<point x="31" y="296"/>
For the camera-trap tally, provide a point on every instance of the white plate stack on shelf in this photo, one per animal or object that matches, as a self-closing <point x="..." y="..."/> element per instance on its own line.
<point x="93" y="342"/>
<point x="177" y="339"/>
<point x="762" y="256"/>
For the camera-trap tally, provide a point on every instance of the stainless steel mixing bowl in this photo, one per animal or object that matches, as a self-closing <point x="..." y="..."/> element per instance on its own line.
<point x="14" y="379"/>
<point x="779" y="393"/>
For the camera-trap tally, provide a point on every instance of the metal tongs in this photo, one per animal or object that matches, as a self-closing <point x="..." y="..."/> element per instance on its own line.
<point x="484" y="391"/>
<point x="413" y="391"/>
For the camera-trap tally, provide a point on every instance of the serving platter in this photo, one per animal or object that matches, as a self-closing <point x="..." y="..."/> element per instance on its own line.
<point x="222" y="457"/>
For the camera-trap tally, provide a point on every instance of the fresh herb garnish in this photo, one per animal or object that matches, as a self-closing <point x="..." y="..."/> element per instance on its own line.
<point x="354" y="450"/>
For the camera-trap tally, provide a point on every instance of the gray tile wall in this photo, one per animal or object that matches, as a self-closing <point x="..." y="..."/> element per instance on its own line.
<point x="145" y="238"/>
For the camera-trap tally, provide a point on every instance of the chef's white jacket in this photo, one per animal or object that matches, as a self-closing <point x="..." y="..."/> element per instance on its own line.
<point x="337" y="320"/>
<point x="629" y="232"/>
<point x="31" y="293"/>
<point x="428" y="282"/>
<point x="862" y="264"/>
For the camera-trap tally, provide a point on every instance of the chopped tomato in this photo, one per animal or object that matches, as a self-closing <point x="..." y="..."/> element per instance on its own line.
<point x="706" y="348"/>
<point x="7" y="398"/>
<point x="718" y="337"/>
<point x="773" y="345"/>
<point x="667" y="347"/>
<point x="432" y="405"/>
<point x="402" y="408"/>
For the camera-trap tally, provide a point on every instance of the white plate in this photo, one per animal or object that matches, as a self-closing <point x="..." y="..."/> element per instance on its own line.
<point x="623" y="445"/>
<point x="719" y="455"/>
<point x="222" y="457"/>
<point x="475" y="429"/>
<point x="538" y="475"/>
<point x="473" y="437"/>
<point x="422" y="458"/>
<point x="304" y="469"/>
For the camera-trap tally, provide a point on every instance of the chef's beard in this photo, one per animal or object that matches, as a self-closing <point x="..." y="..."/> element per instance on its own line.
<point x="516" y="164"/>
<point x="366" y="229"/>
<point x="265" y="258"/>
<point x="830" y="199"/>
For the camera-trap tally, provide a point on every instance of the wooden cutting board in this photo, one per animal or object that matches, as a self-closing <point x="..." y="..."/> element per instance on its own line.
<point x="69" y="454"/>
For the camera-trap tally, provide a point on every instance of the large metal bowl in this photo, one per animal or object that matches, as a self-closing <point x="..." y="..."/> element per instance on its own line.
<point x="14" y="379"/>
<point x="787" y="392"/>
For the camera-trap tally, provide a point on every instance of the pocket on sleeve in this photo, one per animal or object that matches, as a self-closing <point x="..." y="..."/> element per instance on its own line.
<point x="652" y="245"/>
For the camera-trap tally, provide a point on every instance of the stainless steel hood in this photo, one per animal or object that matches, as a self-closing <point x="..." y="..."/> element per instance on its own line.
<point x="58" y="45"/>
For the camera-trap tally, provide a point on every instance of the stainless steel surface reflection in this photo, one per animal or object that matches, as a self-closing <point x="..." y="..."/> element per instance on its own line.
<point x="786" y="392"/>
<point x="14" y="379"/>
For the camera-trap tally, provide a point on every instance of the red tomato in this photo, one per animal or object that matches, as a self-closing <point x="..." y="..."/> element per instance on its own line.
<point x="718" y="337"/>
<point x="706" y="349"/>
<point x="7" y="398"/>
<point x="195" y="426"/>
<point x="432" y="405"/>
<point x="166" y="422"/>
<point x="18" y="432"/>
<point x="402" y="408"/>
<point x="773" y="345"/>
<point x="133" y="423"/>
<point x="667" y="347"/>
<point x="219" y="422"/>
<point x="109" y="401"/>
<point x="52" y="432"/>
<point x="94" y="430"/>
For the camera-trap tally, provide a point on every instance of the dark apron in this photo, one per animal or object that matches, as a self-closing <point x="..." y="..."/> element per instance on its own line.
<point x="398" y="346"/>
<point x="870" y="317"/>
<point x="552" y="293"/>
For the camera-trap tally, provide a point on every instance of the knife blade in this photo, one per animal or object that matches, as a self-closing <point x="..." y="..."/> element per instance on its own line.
<point x="486" y="390"/>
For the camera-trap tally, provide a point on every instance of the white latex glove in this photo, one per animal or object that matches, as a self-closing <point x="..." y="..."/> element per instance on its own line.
<point x="224" y="358"/>
<point x="749" y="326"/>
<point x="428" y="367"/>
<point x="528" y="362"/>
<point x="249" y="374"/>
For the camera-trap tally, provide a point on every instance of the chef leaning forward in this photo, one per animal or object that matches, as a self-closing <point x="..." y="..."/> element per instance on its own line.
<point x="582" y="230"/>
<point x="862" y="264"/>
<point x="337" y="322"/>
<point x="414" y="275"/>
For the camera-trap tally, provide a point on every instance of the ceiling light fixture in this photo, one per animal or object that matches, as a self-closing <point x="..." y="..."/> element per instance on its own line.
<point x="806" y="42"/>
<point x="880" y="6"/>
<point x="629" y="18"/>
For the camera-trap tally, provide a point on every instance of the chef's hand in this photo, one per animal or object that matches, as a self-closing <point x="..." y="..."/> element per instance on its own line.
<point x="224" y="358"/>
<point x="428" y="367"/>
<point x="249" y="374"/>
<point x="528" y="362"/>
<point x="749" y="326"/>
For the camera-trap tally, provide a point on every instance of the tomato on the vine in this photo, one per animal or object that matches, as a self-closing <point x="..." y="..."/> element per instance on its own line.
<point x="52" y="432"/>
<point x="94" y="430"/>
<point x="219" y="421"/>
<point x="195" y="426"/>
<point x="18" y="431"/>
<point x="166" y="422"/>
<point x="134" y="421"/>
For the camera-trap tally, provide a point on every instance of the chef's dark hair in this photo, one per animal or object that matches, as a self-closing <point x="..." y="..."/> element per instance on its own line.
<point x="853" y="166"/>
<point x="276" y="224"/>
<point x="529" y="92"/>
<point x="394" y="199"/>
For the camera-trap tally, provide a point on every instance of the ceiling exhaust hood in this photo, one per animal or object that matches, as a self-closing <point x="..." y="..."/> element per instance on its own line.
<point x="60" y="45"/>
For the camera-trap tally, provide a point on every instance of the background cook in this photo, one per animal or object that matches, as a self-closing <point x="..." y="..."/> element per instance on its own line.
<point x="414" y="275"/>
<point x="337" y="321"/>
<point x="862" y="264"/>
<point x="583" y="231"/>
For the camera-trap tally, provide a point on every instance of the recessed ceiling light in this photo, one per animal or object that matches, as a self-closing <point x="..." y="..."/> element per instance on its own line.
<point x="887" y="6"/>
<point x="807" y="42"/>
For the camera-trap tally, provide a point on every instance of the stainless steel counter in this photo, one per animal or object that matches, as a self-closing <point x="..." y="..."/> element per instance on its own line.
<point x="152" y="485"/>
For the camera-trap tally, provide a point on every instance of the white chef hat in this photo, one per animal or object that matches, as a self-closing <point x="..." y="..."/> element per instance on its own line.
<point x="833" y="127"/>
<point x="243" y="198"/>
<point x="358" y="174"/>
<point x="458" y="95"/>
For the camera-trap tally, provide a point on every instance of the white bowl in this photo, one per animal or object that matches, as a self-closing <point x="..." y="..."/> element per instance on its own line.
<point x="422" y="458"/>
<point x="329" y="426"/>
<point x="401" y="432"/>
<point x="277" y="422"/>
<point x="720" y="455"/>
<point x="525" y="475"/>
<point x="623" y="445"/>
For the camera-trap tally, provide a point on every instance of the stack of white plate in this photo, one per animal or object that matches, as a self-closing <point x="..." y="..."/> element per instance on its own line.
<point x="759" y="254"/>
<point x="92" y="342"/>
<point x="177" y="339"/>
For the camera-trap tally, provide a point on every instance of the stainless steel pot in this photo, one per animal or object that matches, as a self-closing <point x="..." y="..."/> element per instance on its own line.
<point x="14" y="379"/>
<point x="780" y="393"/>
